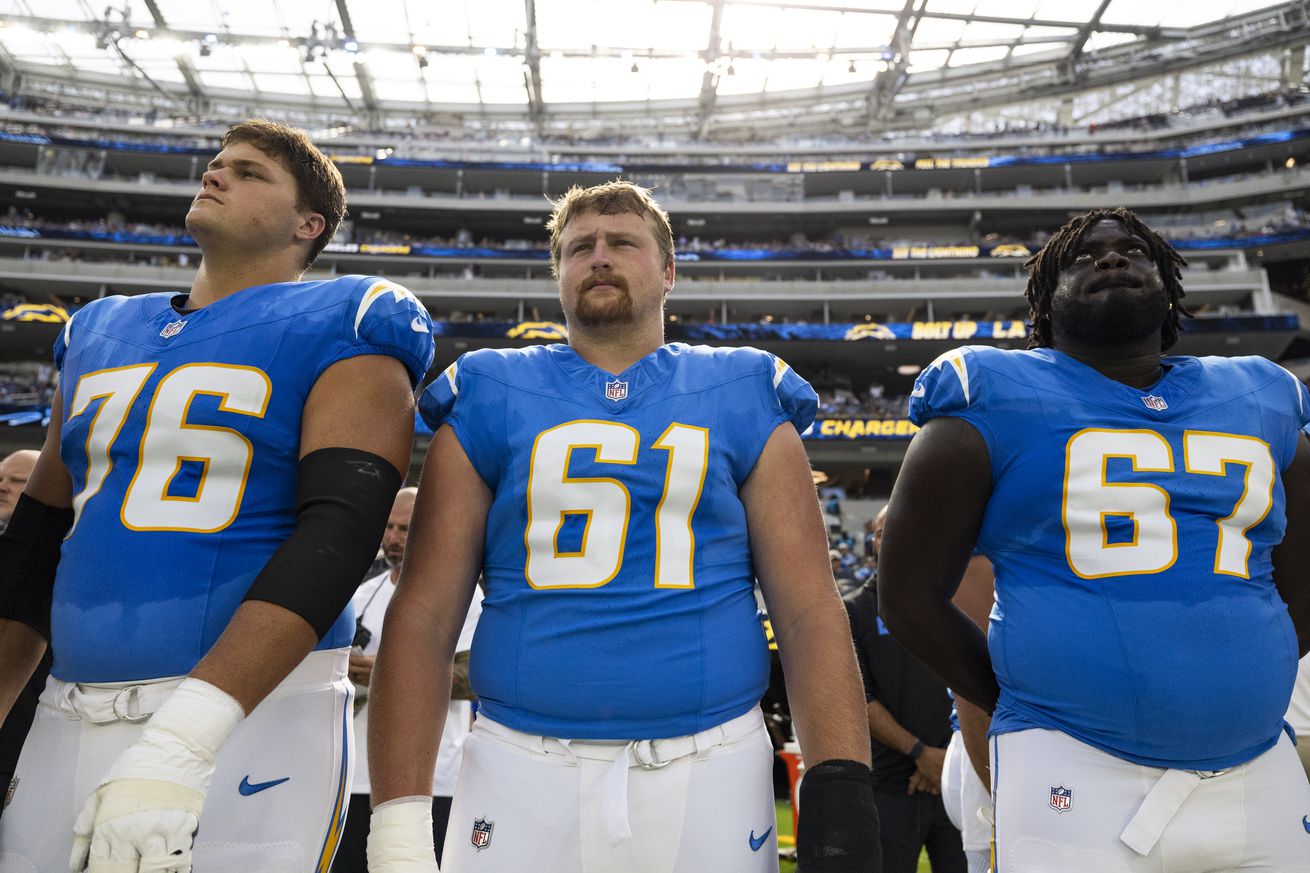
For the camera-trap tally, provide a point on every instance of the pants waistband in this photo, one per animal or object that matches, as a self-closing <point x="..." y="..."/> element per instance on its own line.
<point x="626" y="755"/>
<point x="136" y="701"/>
<point x="647" y="754"/>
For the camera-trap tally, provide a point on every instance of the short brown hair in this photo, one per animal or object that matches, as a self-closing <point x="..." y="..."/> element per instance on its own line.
<point x="319" y="187"/>
<point x="611" y="198"/>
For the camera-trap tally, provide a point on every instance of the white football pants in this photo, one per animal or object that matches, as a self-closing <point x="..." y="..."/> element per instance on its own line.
<point x="680" y="805"/>
<point x="1062" y="805"/>
<point x="281" y="781"/>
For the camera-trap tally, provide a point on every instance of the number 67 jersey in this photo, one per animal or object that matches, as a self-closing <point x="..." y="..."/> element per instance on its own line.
<point x="181" y="432"/>
<point x="619" y="585"/>
<point x="1131" y="533"/>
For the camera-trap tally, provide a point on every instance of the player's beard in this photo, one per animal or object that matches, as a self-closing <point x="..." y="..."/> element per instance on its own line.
<point x="592" y="311"/>
<point x="1111" y="316"/>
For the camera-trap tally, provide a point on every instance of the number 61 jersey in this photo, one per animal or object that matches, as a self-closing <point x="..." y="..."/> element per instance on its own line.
<point x="619" y="585"/>
<point x="181" y="431"/>
<point x="1131" y="533"/>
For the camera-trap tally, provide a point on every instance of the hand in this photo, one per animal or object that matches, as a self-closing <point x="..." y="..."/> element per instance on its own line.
<point x="838" y="829"/>
<point x="145" y="813"/>
<point x="919" y="783"/>
<point x="400" y="837"/>
<point x="929" y="766"/>
<point x="360" y="669"/>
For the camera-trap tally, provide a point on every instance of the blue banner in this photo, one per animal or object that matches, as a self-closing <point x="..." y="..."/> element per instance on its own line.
<point x="1003" y="251"/>
<point x="902" y="162"/>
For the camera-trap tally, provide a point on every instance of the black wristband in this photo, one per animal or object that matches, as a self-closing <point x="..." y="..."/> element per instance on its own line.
<point x="916" y="750"/>
<point x="29" y="556"/>
<point x="838" y="829"/>
<point x="343" y="498"/>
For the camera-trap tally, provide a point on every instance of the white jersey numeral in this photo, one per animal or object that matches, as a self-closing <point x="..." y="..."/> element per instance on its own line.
<point x="605" y="504"/>
<point x="1209" y="454"/>
<point x="169" y="441"/>
<point x="1091" y="500"/>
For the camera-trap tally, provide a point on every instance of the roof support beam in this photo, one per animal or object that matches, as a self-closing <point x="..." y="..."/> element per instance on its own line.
<point x="888" y="83"/>
<point x="184" y="66"/>
<point x="709" y="83"/>
<point x="532" y="78"/>
<point x="1141" y="30"/>
<point x="361" y="70"/>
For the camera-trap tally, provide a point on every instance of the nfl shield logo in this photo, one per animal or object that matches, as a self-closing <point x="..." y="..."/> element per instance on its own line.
<point x="616" y="390"/>
<point x="9" y="795"/>
<point x="482" y="833"/>
<point x="1061" y="798"/>
<point x="1156" y="403"/>
<point x="172" y="329"/>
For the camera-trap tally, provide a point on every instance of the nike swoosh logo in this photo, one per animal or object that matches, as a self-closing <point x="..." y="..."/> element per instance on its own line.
<point x="418" y="326"/>
<point x="758" y="842"/>
<point x="248" y="788"/>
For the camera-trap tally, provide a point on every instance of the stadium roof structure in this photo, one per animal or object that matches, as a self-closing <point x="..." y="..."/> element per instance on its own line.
<point x="691" y="69"/>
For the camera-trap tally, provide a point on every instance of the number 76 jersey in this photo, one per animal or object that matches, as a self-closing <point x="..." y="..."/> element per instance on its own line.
<point x="1132" y="532"/>
<point x="619" y="585"/>
<point x="181" y="432"/>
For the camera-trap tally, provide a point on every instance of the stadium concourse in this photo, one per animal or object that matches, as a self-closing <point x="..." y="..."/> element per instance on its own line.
<point x="855" y="189"/>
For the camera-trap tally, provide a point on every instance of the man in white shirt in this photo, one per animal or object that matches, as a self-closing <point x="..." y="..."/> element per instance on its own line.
<point x="371" y="602"/>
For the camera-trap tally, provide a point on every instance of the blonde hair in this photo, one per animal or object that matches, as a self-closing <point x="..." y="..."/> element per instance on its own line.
<point x="611" y="198"/>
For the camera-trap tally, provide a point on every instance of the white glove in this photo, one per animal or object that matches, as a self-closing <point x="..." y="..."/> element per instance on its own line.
<point x="400" y="837"/>
<point x="144" y="815"/>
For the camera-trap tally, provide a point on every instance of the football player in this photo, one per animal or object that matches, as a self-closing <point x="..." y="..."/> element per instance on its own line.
<point x="620" y="495"/>
<point x="217" y="474"/>
<point x="1148" y="520"/>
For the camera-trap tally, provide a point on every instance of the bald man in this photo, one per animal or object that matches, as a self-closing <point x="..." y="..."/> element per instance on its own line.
<point x="371" y="602"/>
<point x="14" y="470"/>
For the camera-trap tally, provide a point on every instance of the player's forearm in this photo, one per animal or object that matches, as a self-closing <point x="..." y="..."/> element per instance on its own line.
<point x="823" y="687"/>
<point x="261" y="645"/>
<point x="21" y="649"/>
<point x="947" y="642"/>
<point x="1291" y="557"/>
<point x="973" y="730"/>
<point x="408" y="702"/>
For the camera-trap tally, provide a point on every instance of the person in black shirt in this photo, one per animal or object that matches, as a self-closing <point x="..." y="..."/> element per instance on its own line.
<point x="14" y="470"/>
<point x="909" y="721"/>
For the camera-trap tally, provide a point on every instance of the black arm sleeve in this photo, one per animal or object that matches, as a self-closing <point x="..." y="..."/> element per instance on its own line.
<point x="343" y="499"/>
<point x="838" y="830"/>
<point x="29" y="555"/>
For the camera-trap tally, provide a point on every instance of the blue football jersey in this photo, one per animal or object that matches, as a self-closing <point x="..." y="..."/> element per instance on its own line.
<point x="181" y="431"/>
<point x="619" y="586"/>
<point x="1131" y="534"/>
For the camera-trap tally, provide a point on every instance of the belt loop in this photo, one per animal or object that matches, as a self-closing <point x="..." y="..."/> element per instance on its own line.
<point x="704" y="741"/>
<point x="567" y="745"/>
<point x="64" y="700"/>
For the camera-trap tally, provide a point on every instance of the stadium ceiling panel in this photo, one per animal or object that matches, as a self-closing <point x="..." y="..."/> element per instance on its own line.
<point x="565" y="59"/>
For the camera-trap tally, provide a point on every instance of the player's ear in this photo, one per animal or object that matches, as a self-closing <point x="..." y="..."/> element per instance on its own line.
<point x="312" y="224"/>
<point x="669" y="276"/>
